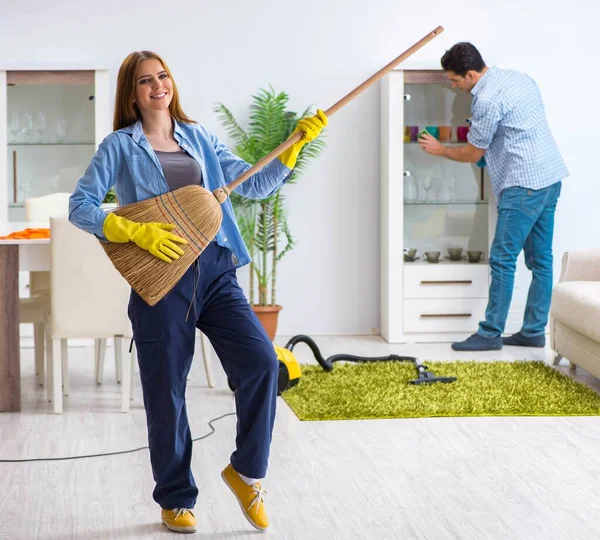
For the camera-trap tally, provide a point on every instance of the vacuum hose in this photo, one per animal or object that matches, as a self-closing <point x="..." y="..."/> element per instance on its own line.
<point x="424" y="376"/>
<point x="327" y="363"/>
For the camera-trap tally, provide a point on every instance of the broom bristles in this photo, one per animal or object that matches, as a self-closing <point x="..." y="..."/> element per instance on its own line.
<point x="197" y="217"/>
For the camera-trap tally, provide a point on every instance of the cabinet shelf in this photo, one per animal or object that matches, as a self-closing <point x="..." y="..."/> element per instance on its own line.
<point x="14" y="145"/>
<point x="445" y="262"/>
<point x="443" y="203"/>
<point x="446" y="143"/>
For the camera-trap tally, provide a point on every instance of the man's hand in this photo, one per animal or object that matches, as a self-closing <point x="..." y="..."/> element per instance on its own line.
<point x="465" y="154"/>
<point x="430" y="145"/>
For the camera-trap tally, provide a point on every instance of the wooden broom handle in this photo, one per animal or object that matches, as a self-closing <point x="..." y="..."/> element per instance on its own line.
<point x="222" y="193"/>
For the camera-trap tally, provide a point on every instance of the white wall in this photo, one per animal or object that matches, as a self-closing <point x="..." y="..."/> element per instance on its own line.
<point x="317" y="52"/>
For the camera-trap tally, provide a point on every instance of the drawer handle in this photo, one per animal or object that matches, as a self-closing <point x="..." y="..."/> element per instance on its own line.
<point x="15" y="187"/>
<point x="446" y="315"/>
<point x="456" y="282"/>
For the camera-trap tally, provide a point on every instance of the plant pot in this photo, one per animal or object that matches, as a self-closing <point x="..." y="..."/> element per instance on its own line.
<point x="268" y="317"/>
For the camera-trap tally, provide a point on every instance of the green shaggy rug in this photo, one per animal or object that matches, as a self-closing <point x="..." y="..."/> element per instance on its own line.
<point x="381" y="390"/>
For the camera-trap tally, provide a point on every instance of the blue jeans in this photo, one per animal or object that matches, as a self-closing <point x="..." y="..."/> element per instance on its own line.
<point x="207" y="297"/>
<point x="525" y="222"/>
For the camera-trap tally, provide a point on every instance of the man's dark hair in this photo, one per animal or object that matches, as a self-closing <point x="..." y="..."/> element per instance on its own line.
<point x="461" y="58"/>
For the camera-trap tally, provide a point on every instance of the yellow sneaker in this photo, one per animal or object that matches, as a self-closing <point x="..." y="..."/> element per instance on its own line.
<point x="250" y="498"/>
<point x="180" y="520"/>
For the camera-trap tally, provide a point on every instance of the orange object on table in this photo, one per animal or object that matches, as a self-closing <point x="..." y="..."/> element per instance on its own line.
<point x="27" y="234"/>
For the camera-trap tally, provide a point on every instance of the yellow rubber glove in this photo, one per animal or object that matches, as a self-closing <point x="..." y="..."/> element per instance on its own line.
<point x="311" y="126"/>
<point x="155" y="238"/>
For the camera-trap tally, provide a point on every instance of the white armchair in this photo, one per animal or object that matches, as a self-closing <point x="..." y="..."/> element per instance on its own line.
<point x="575" y="311"/>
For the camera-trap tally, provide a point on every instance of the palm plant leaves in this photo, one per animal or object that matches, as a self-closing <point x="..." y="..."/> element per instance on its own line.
<point x="290" y="243"/>
<point x="232" y="127"/>
<point x="263" y="224"/>
<point x="268" y="126"/>
<point x="272" y="214"/>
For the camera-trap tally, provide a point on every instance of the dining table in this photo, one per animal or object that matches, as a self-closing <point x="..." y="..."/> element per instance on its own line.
<point x="16" y="255"/>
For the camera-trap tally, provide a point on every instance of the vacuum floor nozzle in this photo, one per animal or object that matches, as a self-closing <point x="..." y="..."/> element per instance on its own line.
<point x="426" y="377"/>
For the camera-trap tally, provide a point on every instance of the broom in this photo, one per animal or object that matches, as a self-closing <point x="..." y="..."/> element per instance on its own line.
<point x="197" y="214"/>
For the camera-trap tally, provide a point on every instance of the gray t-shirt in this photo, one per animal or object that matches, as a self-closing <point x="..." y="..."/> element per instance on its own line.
<point x="180" y="169"/>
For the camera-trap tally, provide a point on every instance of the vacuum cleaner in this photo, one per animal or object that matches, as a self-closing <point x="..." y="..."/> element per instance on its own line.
<point x="289" y="368"/>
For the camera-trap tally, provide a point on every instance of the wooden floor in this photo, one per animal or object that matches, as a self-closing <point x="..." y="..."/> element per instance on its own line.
<point x="435" y="479"/>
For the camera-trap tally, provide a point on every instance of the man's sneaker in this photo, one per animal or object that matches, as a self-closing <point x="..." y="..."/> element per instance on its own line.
<point x="181" y="520"/>
<point x="478" y="343"/>
<point x="250" y="498"/>
<point x="519" y="340"/>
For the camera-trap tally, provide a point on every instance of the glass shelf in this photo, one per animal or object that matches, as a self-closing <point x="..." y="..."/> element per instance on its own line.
<point x="421" y="262"/>
<point x="443" y="203"/>
<point x="11" y="145"/>
<point x="446" y="143"/>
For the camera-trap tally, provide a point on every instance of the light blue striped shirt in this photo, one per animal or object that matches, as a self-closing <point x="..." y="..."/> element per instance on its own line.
<point x="510" y="124"/>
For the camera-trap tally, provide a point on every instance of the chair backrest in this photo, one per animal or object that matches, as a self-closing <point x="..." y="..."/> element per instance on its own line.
<point x="41" y="209"/>
<point x="89" y="298"/>
<point x="47" y="206"/>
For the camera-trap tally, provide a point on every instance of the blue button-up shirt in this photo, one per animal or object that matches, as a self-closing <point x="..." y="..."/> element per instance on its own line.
<point x="510" y="124"/>
<point x="126" y="161"/>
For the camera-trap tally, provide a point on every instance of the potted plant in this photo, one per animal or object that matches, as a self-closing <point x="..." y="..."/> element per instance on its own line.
<point x="263" y="223"/>
<point x="110" y="200"/>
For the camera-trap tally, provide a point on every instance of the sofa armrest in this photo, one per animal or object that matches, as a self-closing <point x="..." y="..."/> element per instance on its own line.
<point x="581" y="265"/>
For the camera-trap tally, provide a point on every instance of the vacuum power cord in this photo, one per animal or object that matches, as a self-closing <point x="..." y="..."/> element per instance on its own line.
<point x="210" y="422"/>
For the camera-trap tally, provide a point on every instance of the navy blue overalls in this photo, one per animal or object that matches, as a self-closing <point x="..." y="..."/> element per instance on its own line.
<point x="209" y="296"/>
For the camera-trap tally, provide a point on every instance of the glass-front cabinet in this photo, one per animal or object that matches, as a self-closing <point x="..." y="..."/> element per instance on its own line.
<point x="51" y="123"/>
<point x="437" y="214"/>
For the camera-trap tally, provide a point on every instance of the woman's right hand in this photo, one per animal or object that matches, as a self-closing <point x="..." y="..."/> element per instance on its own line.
<point x="155" y="238"/>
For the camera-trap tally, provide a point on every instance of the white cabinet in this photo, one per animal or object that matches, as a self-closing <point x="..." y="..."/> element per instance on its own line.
<point x="51" y="123"/>
<point x="430" y="204"/>
<point x="445" y="280"/>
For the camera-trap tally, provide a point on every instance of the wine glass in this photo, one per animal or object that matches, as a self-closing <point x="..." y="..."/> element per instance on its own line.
<point x="436" y="187"/>
<point x="27" y="126"/>
<point x="40" y="125"/>
<point x="451" y="185"/>
<point x="61" y="130"/>
<point x="15" y="126"/>
<point x="427" y="182"/>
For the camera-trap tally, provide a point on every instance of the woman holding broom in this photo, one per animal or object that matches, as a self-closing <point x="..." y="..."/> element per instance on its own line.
<point x="156" y="148"/>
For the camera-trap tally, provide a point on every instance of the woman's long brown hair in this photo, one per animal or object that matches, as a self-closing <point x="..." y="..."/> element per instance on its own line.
<point x="126" y="111"/>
